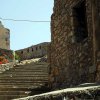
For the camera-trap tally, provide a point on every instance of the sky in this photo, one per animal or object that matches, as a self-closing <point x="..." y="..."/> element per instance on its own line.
<point x="25" y="34"/>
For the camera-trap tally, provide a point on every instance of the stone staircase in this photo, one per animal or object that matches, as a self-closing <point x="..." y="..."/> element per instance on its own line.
<point x="24" y="80"/>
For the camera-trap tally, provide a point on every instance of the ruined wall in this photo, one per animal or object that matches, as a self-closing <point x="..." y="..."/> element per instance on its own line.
<point x="4" y="37"/>
<point x="72" y="54"/>
<point x="34" y="51"/>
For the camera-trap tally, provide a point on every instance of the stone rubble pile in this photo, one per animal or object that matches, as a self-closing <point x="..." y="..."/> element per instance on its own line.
<point x="35" y="60"/>
<point x="4" y="67"/>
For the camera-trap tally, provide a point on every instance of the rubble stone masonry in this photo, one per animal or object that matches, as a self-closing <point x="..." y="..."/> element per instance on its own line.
<point x="75" y="43"/>
<point x="4" y="37"/>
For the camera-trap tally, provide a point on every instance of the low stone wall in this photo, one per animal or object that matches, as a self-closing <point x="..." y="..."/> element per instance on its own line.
<point x="82" y="93"/>
<point x="4" y="67"/>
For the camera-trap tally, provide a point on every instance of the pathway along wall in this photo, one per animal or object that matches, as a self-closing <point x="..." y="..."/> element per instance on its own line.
<point x="73" y="51"/>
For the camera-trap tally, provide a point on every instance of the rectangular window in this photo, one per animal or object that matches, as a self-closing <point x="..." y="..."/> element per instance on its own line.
<point x="6" y="39"/>
<point x="32" y="49"/>
<point x="36" y="48"/>
<point x="80" y="21"/>
<point x="21" y="52"/>
<point x="39" y="47"/>
<point x="27" y="50"/>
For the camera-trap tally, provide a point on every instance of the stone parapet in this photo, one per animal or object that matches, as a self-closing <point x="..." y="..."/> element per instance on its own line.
<point x="80" y="93"/>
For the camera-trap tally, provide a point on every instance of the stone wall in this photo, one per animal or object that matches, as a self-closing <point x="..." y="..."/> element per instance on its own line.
<point x="72" y="54"/>
<point x="4" y="37"/>
<point x="34" y="51"/>
<point x="80" y="93"/>
<point x="97" y="37"/>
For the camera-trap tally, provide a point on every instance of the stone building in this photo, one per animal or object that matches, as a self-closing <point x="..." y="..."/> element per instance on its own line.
<point x="74" y="52"/>
<point x="34" y="51"/>
<point x="4" y="37"/>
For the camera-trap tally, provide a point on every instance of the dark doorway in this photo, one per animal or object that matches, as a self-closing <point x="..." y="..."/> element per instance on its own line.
<point x="80" y="21"/>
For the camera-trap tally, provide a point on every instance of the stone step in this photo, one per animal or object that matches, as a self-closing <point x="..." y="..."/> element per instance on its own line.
<point x="22" y="75"/>
<point x="31" y="71"/>
<point x="23" y="78"/>
<point x="39" y="63"/>
<point x="20" y="87"/>
<point x="11" y="75"/>
<point x="26" y="73"/>
<point x="33" y="66"/>
<point x="14" y="92"/>
<point x="22" y="81"/>
<point x="27" y="70"/>
<point x="7" y="97"/>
